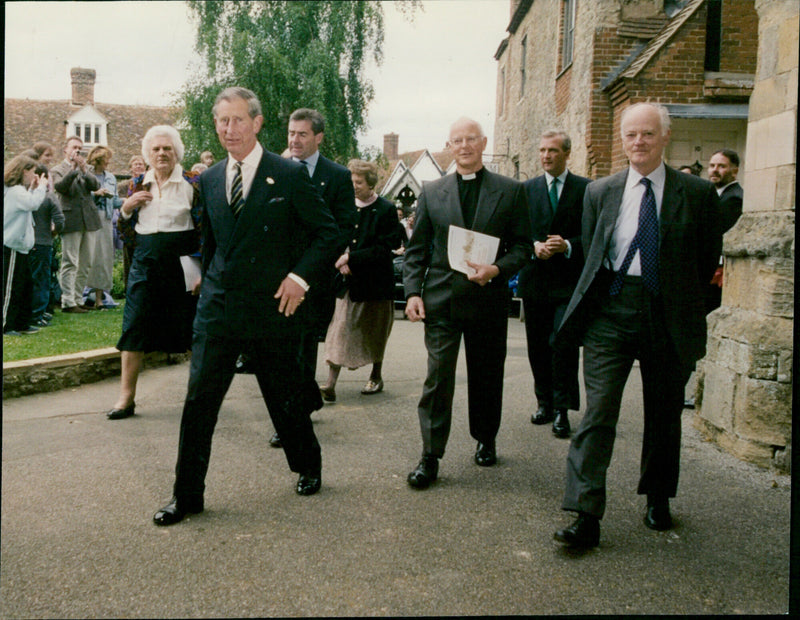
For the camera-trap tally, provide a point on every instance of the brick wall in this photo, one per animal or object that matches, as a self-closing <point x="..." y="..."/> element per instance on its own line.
<point x="574" y="100"/>
<point x="739" y="46"/>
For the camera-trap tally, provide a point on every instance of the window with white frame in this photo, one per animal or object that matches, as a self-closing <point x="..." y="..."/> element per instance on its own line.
<point x="92" y="134"/>
<point x="568" y="41"/>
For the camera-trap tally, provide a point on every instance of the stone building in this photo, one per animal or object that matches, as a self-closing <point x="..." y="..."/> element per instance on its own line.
<point x="120" y="127"/>
<point x="728" y="73"/>
<point x="745" y="381"/>
<point x="576" y="65"/>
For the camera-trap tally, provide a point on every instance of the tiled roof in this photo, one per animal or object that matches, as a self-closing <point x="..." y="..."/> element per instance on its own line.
<point x="655" y="46"/>
<point x="443" y="158"/>
<point x="28" y="121"/>
<point x="645" y="28"/>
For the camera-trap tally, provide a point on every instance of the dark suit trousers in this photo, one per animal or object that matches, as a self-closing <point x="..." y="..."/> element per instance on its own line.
<point x="628" y="326"/>
<point x="212" y="369"/>
<point x="485" y="349"/>
<point x="321" y="303"/>
<point x="555" y="369"/>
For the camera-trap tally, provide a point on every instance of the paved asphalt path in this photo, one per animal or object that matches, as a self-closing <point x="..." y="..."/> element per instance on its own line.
<point x="79" y="492"/>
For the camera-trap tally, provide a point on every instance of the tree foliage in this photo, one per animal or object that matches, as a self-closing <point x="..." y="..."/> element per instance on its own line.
<point x="291" y="54"/>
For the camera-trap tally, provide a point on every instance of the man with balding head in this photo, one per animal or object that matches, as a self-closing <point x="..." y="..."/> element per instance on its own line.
<point x="453" y="304"/>
<point x="651" y="236"/>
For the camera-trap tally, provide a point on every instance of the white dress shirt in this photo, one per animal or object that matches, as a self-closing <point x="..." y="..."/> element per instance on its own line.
<point x="171" y="207"/>
<point x="628" y="217"/>
<point x="562" y="178"/>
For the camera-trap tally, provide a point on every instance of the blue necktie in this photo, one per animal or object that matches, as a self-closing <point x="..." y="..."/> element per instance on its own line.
<point x="646" y="241"/>
<point x="237" y="199"/>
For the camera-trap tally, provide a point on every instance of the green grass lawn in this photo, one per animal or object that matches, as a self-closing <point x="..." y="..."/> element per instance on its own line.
<point x="67" y="333"/>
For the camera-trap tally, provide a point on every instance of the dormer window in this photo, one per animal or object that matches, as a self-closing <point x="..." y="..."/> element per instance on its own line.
<point x="90" y="126"/>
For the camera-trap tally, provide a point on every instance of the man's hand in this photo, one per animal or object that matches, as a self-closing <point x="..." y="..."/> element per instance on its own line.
<point x="541" y="251"/>
<point x="415" y="309"/>
<point x="342" y="265"/>
<point x="291" y="295"/>
<point x="556" y="244"/>
<point x="483" y="273"/>
<point x="196" y="287"/>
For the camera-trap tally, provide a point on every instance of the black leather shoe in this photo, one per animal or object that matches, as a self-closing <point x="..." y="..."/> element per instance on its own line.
<point x="176" y="510"/>
<point x="328" y="393"/>
<point x="426" y="472"/>
<point x="584" y="533"/>
<point x="244" y="366"/>
<point x="275" y="441"/>
<point x="657" y="516"/>
<point x="543" y="415"/>
<point x="561" y="427"/>
<point x="118" y="414"/>
<point x="485" y="454"/>
<point x="308" y="484"/>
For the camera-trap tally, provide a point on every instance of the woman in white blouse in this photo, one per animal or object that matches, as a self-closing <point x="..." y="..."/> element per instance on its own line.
<point x="161" y="218"/>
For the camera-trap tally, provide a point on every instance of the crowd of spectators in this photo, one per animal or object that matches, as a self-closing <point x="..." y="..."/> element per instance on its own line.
<point x="61" y="236"/>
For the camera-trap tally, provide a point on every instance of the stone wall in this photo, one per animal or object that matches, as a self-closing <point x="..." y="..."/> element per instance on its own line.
<point x="608" y="34"/>
<point x="745" y="380"/>
<point x="48" y="374"/>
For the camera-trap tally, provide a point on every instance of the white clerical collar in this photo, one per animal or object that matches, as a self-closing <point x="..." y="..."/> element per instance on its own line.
<point x="469" y="177"/>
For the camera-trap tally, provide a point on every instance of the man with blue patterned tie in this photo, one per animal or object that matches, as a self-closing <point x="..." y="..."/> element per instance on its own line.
<point x="652" y="237"/>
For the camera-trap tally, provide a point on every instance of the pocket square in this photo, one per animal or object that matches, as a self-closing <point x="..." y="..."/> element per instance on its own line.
<point x="276" y="199"/>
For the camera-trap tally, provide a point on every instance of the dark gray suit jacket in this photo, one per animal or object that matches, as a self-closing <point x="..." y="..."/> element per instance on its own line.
<point x="283" y="227"/>
<point x="501" y="212"/>
<point x="730" y="204"/>
<point x="333" y="183"/>
<point x="689" y="248"/>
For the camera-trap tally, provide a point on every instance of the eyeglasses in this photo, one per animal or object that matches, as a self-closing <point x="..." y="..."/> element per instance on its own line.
<point x="471" y="140"/>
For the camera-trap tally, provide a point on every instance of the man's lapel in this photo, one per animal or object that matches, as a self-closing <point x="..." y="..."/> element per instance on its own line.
<point x="321" y="176"/>
<point x="487" y="201"/>
<point x="448" y="195"/>
<point x="672" y="200"/>
<point x="218" y="208"/>
<point x="610" y="212"/>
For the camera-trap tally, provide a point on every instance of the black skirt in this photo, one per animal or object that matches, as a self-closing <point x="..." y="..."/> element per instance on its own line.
<point x="158" y="310"/>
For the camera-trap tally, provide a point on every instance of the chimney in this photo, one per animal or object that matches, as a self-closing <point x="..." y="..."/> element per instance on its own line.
<point x="82" y="85"/>
<point x="390" y="141"/>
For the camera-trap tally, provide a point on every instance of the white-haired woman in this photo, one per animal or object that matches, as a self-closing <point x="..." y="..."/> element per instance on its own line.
<point x="162" y="220"/>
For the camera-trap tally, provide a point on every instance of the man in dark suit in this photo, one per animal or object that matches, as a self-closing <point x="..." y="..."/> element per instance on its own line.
<point x="453" y="304"/>
<point x="332" y="180"/>
<point x="555" y="202"/>
<point x="651" y="237"/>
<point x="267" y="238"/>
<point x="723" y="168"/>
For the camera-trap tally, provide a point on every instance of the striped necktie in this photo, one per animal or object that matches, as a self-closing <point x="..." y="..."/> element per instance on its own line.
<point x="237" y="199"/>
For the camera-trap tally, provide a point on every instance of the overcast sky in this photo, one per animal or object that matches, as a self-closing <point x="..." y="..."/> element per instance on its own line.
<point x="437" y="68"/>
